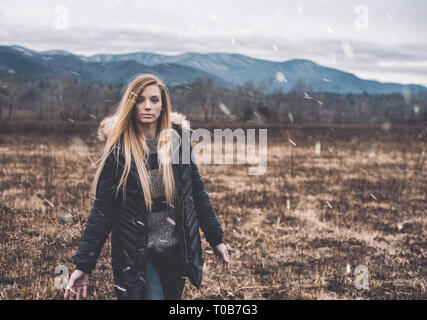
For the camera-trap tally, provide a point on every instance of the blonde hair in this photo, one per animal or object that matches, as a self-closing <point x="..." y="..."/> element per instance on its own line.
<point x="134" y="141"/>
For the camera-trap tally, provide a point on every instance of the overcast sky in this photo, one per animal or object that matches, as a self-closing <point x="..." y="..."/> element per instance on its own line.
<point x="383" y="40"/>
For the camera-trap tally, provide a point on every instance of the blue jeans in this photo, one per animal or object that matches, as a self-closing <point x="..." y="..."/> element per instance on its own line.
<point x="163" y="277"/>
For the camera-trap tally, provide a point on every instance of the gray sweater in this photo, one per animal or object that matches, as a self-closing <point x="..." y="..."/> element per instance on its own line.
<point x="162" y="223"/>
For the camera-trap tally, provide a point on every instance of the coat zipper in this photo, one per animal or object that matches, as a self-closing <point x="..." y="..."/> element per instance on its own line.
<point x="182" y="224"/>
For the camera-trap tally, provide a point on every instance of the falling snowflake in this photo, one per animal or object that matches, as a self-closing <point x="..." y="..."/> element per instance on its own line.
<point x="213" y="17"/>
<point x="70" y="195"/>
<point x="66" y="217"/>
<point x="306" y="96"/>
<point x="281" y="77"/>
<point x="416" y="109"/>
<point x="386" y="126"/>
<point x="49" y="203"/>
<point x="317" y="147"/>
<point x="171" y="221"/>
<point x="191" y="25"/>
<point x="120" y="288"/>
<point x="224" y="108"/>
<point x="347" y="49"/>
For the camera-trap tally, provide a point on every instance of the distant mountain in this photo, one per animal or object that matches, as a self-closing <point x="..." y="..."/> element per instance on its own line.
<point x="48" y="64"/>
<point x="224" y="69"/>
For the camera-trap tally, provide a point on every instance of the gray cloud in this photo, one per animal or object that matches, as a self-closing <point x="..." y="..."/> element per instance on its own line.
<point x="392" y="49"/>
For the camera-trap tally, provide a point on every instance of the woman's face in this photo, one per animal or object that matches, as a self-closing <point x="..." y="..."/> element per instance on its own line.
<point x="148" y="105"/>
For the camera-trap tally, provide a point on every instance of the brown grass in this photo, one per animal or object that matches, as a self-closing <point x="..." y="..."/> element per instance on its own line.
<point x="290" y="233"/>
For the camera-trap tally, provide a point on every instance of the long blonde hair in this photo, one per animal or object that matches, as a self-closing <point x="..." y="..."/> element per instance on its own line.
<point x="134" y="142"/>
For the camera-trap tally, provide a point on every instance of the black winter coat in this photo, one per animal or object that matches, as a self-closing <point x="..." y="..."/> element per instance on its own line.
<point x="127" y="221"/>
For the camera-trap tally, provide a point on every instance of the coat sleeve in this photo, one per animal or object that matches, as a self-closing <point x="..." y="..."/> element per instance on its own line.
<point x="100" y="220"/>
<point x="206" y="215"/>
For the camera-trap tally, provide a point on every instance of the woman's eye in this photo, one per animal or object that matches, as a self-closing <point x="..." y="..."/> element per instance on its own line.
<point x="139" y="100"/>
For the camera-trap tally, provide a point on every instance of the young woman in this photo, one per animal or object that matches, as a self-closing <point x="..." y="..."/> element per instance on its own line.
<point x="151" y="200"/>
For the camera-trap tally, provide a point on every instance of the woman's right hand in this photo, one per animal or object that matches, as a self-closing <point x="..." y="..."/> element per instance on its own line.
<point x="78" y="280"/>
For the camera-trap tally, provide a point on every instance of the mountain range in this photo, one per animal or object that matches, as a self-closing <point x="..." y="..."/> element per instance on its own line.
<point x="224" y="69"/>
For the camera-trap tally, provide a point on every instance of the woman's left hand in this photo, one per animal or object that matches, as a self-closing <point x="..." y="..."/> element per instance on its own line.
<point x="221" y="256"/>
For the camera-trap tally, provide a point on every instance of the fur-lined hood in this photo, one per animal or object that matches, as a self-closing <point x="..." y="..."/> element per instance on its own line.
<point x="108" y="123"/>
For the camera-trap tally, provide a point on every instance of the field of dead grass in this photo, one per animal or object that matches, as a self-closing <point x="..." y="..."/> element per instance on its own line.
<point x="296" y="232"/>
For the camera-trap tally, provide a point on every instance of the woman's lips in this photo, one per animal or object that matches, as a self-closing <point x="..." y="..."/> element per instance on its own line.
<point x="146" y="115"/>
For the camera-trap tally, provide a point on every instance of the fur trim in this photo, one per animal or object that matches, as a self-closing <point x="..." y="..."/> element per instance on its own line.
<point x="108" y="123"/>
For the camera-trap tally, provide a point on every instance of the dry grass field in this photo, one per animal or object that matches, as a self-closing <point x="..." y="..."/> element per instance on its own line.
<point x="296" y="232"/>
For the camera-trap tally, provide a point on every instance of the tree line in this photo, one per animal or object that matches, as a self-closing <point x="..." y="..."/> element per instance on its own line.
<point x="66" y="98"/>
